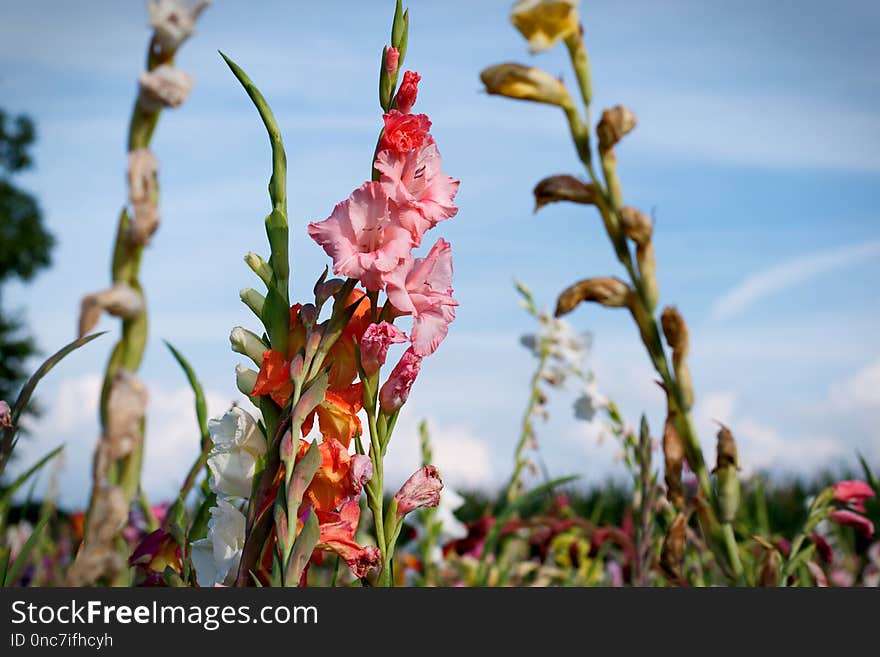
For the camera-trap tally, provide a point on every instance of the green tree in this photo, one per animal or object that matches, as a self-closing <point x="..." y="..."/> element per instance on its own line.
<point x="25" y="246"/>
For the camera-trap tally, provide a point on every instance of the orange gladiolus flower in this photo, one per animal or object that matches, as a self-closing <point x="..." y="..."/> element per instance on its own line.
<point x="274" y="378"/>
<point x="339" y="477"/>
<point x="337" y="535"/>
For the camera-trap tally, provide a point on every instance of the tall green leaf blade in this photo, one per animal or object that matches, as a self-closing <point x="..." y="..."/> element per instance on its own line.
<point x="24" y="476"/>
<point x="20" y="560"/>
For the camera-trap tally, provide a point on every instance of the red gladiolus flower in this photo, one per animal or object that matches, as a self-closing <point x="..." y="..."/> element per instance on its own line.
<point x="404" y="132"/>
<point x="340" y="476"/>
<point x="409" y="90"/>
<point x="853" y="493"/>
<point x="337" y="535"/>
<point x="853" y="519"/>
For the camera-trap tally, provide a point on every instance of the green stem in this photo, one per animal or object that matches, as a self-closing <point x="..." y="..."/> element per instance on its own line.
<point x="511" y="492"/>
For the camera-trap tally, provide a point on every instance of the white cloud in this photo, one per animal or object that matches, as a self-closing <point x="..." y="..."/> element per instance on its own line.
<point x="861" y="390"/>
<point x="762" y="447"/>
<point x="462" y="457"/>
<point x="786" y="275"/>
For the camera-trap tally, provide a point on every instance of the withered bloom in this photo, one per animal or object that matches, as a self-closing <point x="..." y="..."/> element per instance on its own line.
<point x="545" y="22"/>
<point x="675" y="331"/>
<point x="607" y="291"/>
<point x="613" y="126"/>
<point x="525" y="83"/>
<point x="164" y="86"/>
<point x="726" y="467"/>
<point x="143" y="192"/>
<point x="636" y="225"/>
<point x="554" y="189"/>
<point x="673" y="549"/>
<point x="121" y="300"/>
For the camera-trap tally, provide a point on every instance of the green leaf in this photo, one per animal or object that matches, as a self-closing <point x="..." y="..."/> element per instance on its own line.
<point x="302" y="476"/>
<point x="278" y="182"/>
<point x="872" y="480"/>
<point x="201" y="407"/>
<point x="302" y="550"/>
<point x="4" y="562"/>
<point x="311" y="398"/>
<point x="6" y="498"/>
<point x="24" y="397"/>
<point x="21" y="559"/>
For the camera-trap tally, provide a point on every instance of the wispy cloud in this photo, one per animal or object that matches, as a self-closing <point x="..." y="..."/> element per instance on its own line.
<point x="789" y="274"/>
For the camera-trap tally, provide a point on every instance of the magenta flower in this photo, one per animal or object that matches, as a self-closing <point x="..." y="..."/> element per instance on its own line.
<point x="423" y="288"/>
<point x="853" y="519"/>
<point x="414" y="181"/>
<point x="409" y="90"/>
<point x="395" y="391"/>
<point x="853" y="493"/>
<point x="5" y="415"/>
<point x="375" y="344"/>
<point x="364" y="236"/>
<point x="422" y="489"/>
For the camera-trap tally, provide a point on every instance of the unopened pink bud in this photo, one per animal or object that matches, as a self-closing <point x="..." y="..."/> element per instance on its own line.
<point x="392" y="58"/>
<point x="409" y="90"/>
<point x="375" y="344"/>
<point x="395" y="391"/>
<point x="421" y="490"/>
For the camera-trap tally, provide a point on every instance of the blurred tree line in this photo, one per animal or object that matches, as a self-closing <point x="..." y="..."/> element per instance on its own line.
<point x="25" y="247"/>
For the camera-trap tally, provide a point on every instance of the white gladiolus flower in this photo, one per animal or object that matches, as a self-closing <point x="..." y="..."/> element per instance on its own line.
<point x="216" y="556"/>
<point x="588" y="404"/>
<point x="451" y="528"/>
<point x="238" y="443"/>
<point x="247" y="343"/>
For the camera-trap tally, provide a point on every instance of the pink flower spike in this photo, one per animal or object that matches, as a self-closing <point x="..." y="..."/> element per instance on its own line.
<point x="415" y="183"/>
<point x="395" y="391"/>
<point x="392" y="57"/>
<point x="422" y="489"/>
<point x="853" y="519"/>
<point x="375" y="343"/>
<point x="409" y="90"/>
<point x="853" y="493"/>
<point x="364" y="236"/>
<point x="423" y="288"/>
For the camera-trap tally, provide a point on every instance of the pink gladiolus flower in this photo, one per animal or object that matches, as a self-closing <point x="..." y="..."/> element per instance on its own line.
<point x="364" y="236"/>
<point x="853" y="519"/>
<point x="409" y="90"/>
<point x="423" y="288"/>
<point x="395" y="390"/>
<point x="422" y="489"/>
<point x="404" y="132"/>
<point x="392" y="57"/>
<point x="375" y="344"/>
<point x="415" y="183"/>
<point x="853" y="493"/>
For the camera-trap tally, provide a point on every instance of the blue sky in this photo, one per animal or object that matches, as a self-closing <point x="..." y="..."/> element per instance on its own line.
<point x="758" y="151"/>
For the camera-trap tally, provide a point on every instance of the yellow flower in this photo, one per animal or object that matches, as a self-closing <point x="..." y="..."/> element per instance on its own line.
<point x="525" y="83"/>
<point x="545" y="22"/>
